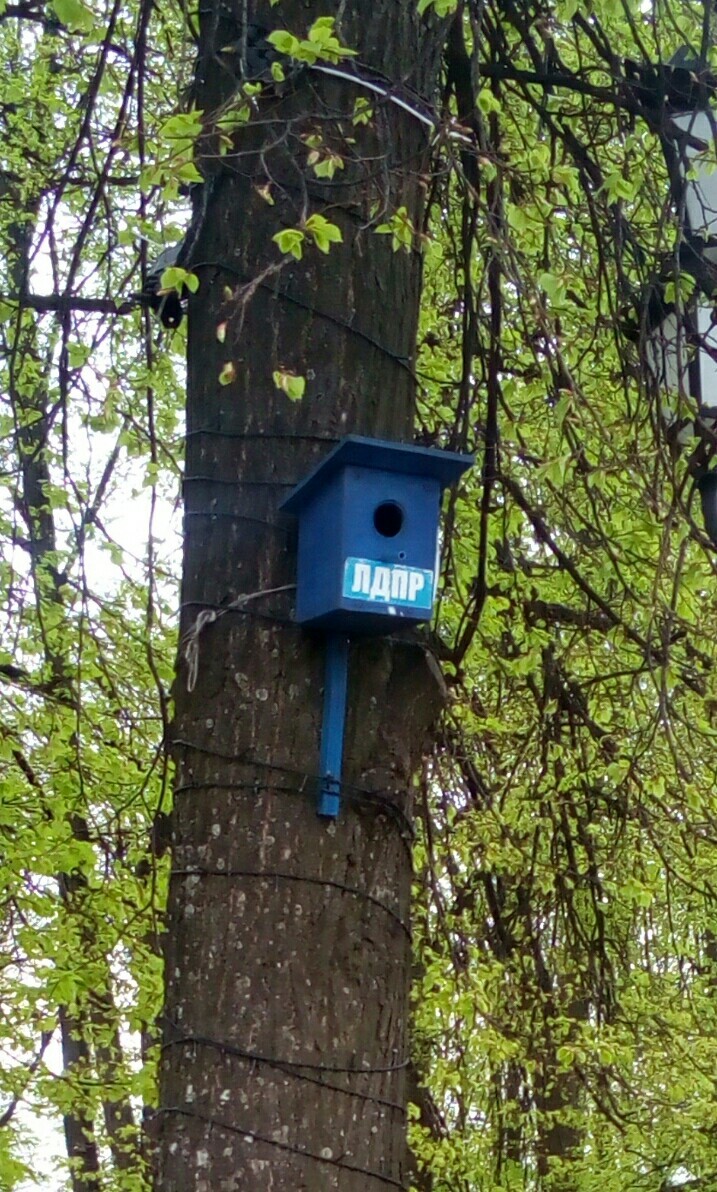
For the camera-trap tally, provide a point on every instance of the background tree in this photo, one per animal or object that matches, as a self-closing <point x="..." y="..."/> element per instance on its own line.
<point x="564" y="904"/>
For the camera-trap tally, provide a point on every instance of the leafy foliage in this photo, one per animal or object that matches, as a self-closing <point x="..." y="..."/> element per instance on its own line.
<point x="567" y="937"/>
<point x="90" y="421"/>
<point x="565" y="909"/>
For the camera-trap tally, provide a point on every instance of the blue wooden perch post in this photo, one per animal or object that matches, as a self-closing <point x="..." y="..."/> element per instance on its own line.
<point x="334" y="719"/>
<point x="367" y="560"/>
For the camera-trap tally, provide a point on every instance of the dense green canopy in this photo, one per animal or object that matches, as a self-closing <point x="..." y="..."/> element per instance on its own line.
<point x="565" y="902"/>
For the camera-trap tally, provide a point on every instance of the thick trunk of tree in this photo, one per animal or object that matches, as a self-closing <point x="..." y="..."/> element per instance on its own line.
<point x="288" y="945"/>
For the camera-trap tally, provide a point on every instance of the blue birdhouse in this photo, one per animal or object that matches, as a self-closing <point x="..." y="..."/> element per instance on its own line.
<point x="368" y="560"/>
<point x="368" y="534"/>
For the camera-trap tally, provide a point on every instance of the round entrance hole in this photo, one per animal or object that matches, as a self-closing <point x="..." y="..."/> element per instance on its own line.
<point x="388" y="519"/>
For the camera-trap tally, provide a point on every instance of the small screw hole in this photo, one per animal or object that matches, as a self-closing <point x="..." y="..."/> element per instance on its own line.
<point x="388" y="519"/>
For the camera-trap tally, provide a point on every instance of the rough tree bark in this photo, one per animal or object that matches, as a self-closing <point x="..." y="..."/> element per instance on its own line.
<point x="288" y="947"/>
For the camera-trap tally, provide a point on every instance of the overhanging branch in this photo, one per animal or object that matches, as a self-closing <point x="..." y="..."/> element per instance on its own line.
<point x="63" y="303"/>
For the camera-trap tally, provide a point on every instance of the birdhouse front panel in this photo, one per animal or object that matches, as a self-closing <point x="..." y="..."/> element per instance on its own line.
<point x="368" y="532"/>
<point x="367" y="550"/>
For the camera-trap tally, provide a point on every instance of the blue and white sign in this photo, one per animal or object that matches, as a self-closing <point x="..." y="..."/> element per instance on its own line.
<point x="388" y="583"/>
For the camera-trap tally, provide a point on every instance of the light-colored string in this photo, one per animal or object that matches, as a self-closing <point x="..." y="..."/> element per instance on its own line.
<point x="190" y="641"/>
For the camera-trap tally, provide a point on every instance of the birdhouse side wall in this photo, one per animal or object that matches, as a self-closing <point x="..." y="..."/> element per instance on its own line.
<point x="321" y="521"/>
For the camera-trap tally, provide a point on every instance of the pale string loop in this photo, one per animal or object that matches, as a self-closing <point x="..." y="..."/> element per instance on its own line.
<point x="191" y="644"/>
<point x="190" y="641"/>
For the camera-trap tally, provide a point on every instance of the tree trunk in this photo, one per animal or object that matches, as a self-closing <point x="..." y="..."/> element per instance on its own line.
<point x="558" y="1097"/>
<point x="288" y="943"/>
<point x="80" y="1142"/>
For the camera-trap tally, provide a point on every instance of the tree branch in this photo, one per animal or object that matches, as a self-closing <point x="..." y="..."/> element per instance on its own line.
<point x="62" y="303"/>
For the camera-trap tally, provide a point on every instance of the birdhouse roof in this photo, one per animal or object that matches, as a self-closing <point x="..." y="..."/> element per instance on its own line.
<point x="378" y="454"/>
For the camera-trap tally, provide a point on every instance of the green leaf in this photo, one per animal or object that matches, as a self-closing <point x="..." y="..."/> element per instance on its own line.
<point x="187" y="172"/>
<point x="321" y="43"/>
<point x="487" y="101"/>
<point x="321" y="35"/>
<point x="182" y="124"/>
<point x="443" y="8"/>
<point x="323" y="232"/>
<point x="75" y="15"/>
<point x="228" y="373"/>
<point x="400" y="228"/>
<point x="77" y="355"/>
<point x="327" y="166"/>
<point x="285" y="42"/>
<point x="176" y="278"/>
<point x="321" y="26"/>
<point x="554" y="287"/>
<point x="264" y="192"/>
<point x="289" y="383"/>
<point x="363" y="112"/>
<point x="290" y="240"/>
